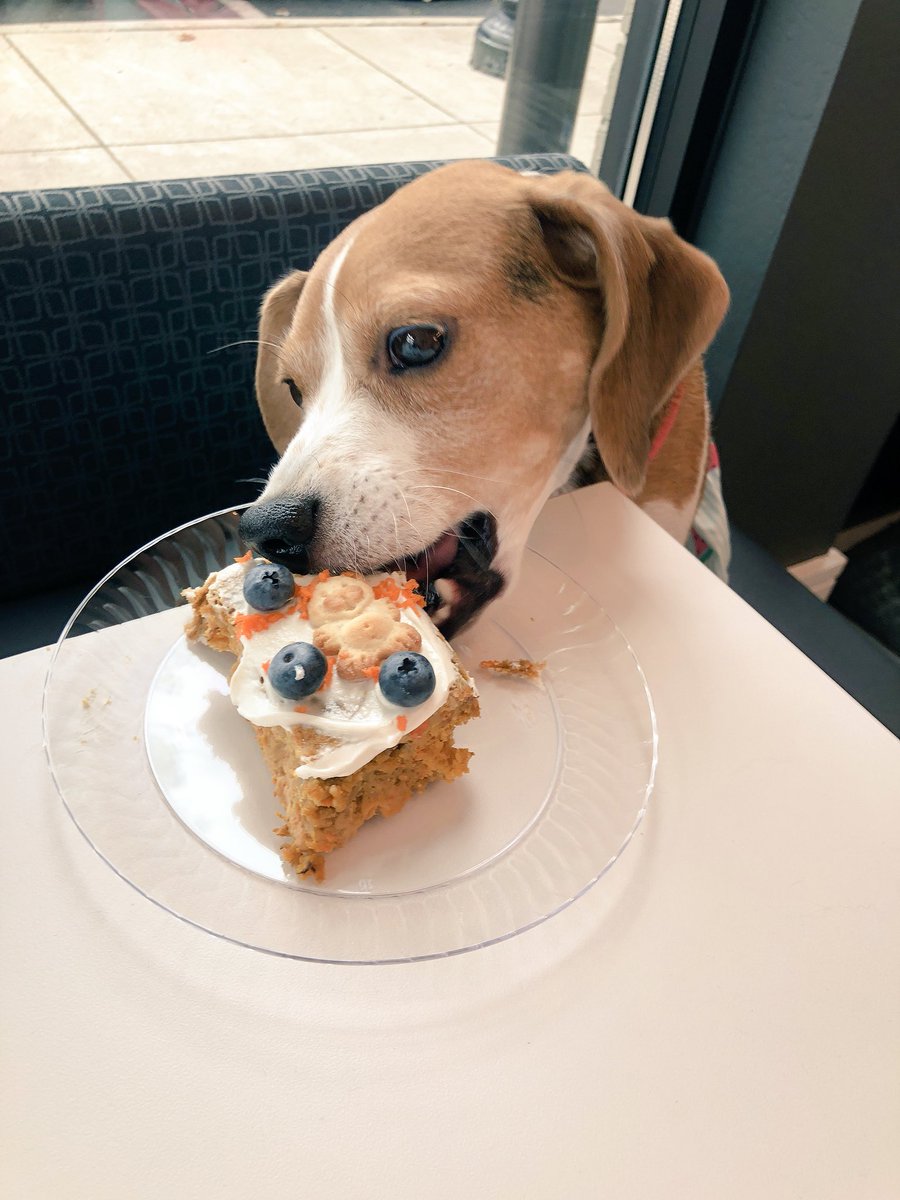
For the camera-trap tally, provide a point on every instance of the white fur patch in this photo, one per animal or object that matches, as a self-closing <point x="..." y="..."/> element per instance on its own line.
<point x="356" y="458"/>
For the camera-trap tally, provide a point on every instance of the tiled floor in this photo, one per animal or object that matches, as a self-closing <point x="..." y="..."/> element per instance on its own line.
<point x="103" y="101"/>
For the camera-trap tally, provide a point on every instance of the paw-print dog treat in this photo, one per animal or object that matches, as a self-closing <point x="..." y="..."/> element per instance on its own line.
<point x="367" y="639"/>
<point x="340" y="598"/>
<point x="351" y="691"/>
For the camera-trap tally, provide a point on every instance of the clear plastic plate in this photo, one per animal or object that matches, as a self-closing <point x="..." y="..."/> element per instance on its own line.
<point x="166" y="782"/>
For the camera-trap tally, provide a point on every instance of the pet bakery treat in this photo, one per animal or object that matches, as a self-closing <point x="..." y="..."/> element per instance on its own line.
<point x="352" y="693"/>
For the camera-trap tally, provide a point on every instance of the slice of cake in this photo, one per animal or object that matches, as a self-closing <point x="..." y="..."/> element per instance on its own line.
<point x="352" y="692"/>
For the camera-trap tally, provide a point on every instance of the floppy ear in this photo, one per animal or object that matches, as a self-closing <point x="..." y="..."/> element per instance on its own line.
<point x="280" y="415"/>
<point x="662" y="301"/>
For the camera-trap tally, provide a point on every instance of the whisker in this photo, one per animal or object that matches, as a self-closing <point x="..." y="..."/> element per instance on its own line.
<point x="354" y="308"/>
<point x="247" y="342"/>
<point x="399" y="557"/>
<point x="409" y="519"/>
<point x="443" y="488"/>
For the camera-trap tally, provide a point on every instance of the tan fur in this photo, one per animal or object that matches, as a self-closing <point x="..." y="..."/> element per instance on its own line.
<point x="560" y="302"/>
<point x="675" y="473"/>
<point x="663" y="301"/>
<point x="278" y="409"/>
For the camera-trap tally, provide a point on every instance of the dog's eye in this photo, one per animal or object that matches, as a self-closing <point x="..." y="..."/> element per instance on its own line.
<point x="296" y="394"/>
<point x="415" y="345"/>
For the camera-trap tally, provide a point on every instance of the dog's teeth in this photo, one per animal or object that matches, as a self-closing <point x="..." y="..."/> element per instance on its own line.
<point x="447" y="590"/>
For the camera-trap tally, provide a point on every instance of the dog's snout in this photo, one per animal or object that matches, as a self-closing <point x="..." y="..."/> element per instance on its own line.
<point x="282" y="530"/>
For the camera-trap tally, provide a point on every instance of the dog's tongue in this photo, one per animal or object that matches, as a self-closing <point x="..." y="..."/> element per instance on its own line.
<point x="431" y="562"/>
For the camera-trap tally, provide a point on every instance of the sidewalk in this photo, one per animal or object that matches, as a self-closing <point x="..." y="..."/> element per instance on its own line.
<point x="103" y="101"/>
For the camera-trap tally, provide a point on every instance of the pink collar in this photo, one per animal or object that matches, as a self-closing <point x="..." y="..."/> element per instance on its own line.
<point x="670" y="415"/>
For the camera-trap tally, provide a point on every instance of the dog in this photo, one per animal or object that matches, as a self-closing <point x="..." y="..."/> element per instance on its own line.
<point x="479" y="341"/>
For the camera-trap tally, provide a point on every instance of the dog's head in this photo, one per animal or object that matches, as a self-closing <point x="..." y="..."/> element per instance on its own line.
<point x="433" y="378"/>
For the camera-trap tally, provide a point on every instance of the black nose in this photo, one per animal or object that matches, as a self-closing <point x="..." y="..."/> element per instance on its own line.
<point x="282" y="530"/>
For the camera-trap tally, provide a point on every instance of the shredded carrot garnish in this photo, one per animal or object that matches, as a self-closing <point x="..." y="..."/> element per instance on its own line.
<point x="406" y="596"/>
<point x="265" y="665"/>
<point x="372" y="672"/>
<point x="245" y="557"/>
<point x="302" y="594"/>
<point x="304" y="591"/>
<point x="410" y="594"/>
<point x="247" y="624"/>
<point x="387" y="589"/>
<point x="401" y="724"/>
<point x="300" y="708"/>
<point x="419" y="730"/>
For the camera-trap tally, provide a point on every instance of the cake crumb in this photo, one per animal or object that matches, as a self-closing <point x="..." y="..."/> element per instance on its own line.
<point x="87" y="701"/>
<point x="518" y="668"/>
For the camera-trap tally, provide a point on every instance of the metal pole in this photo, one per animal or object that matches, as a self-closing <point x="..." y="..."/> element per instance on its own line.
<point x="549" y="55"/>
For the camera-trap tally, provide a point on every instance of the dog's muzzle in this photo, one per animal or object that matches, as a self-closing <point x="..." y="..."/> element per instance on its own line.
<point x="282" y="530"/>
<point x="455" y="574"/>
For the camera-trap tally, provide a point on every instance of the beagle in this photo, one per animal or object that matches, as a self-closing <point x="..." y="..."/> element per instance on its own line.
<point x="475" y="343"/>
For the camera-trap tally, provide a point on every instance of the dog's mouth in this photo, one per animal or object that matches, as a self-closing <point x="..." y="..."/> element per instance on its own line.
<point x="455" y="574"/>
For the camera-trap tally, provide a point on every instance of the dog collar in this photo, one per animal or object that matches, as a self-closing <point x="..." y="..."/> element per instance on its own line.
<point x="669" y="417"/>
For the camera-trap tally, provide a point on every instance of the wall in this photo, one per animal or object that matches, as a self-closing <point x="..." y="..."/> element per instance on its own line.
<point x="806" y="372"/>
<point x="788" y="75"/>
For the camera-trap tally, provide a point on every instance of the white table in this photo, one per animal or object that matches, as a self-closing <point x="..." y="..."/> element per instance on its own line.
<point x="719" y="1017"/>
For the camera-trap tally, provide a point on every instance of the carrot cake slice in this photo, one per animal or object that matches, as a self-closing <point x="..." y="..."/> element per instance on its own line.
<point x="352" y="692"/>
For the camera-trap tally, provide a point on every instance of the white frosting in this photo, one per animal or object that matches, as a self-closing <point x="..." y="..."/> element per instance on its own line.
<point x="354" y="712"/>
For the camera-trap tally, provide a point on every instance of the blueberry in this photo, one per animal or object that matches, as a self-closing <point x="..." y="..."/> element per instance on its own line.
<point x="297" y="670"/>
<point x="268" y="586"/>
<point x="406" y="679"/>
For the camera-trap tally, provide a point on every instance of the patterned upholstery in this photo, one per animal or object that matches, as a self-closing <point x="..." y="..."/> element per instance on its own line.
<point x="121" y="417"/>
